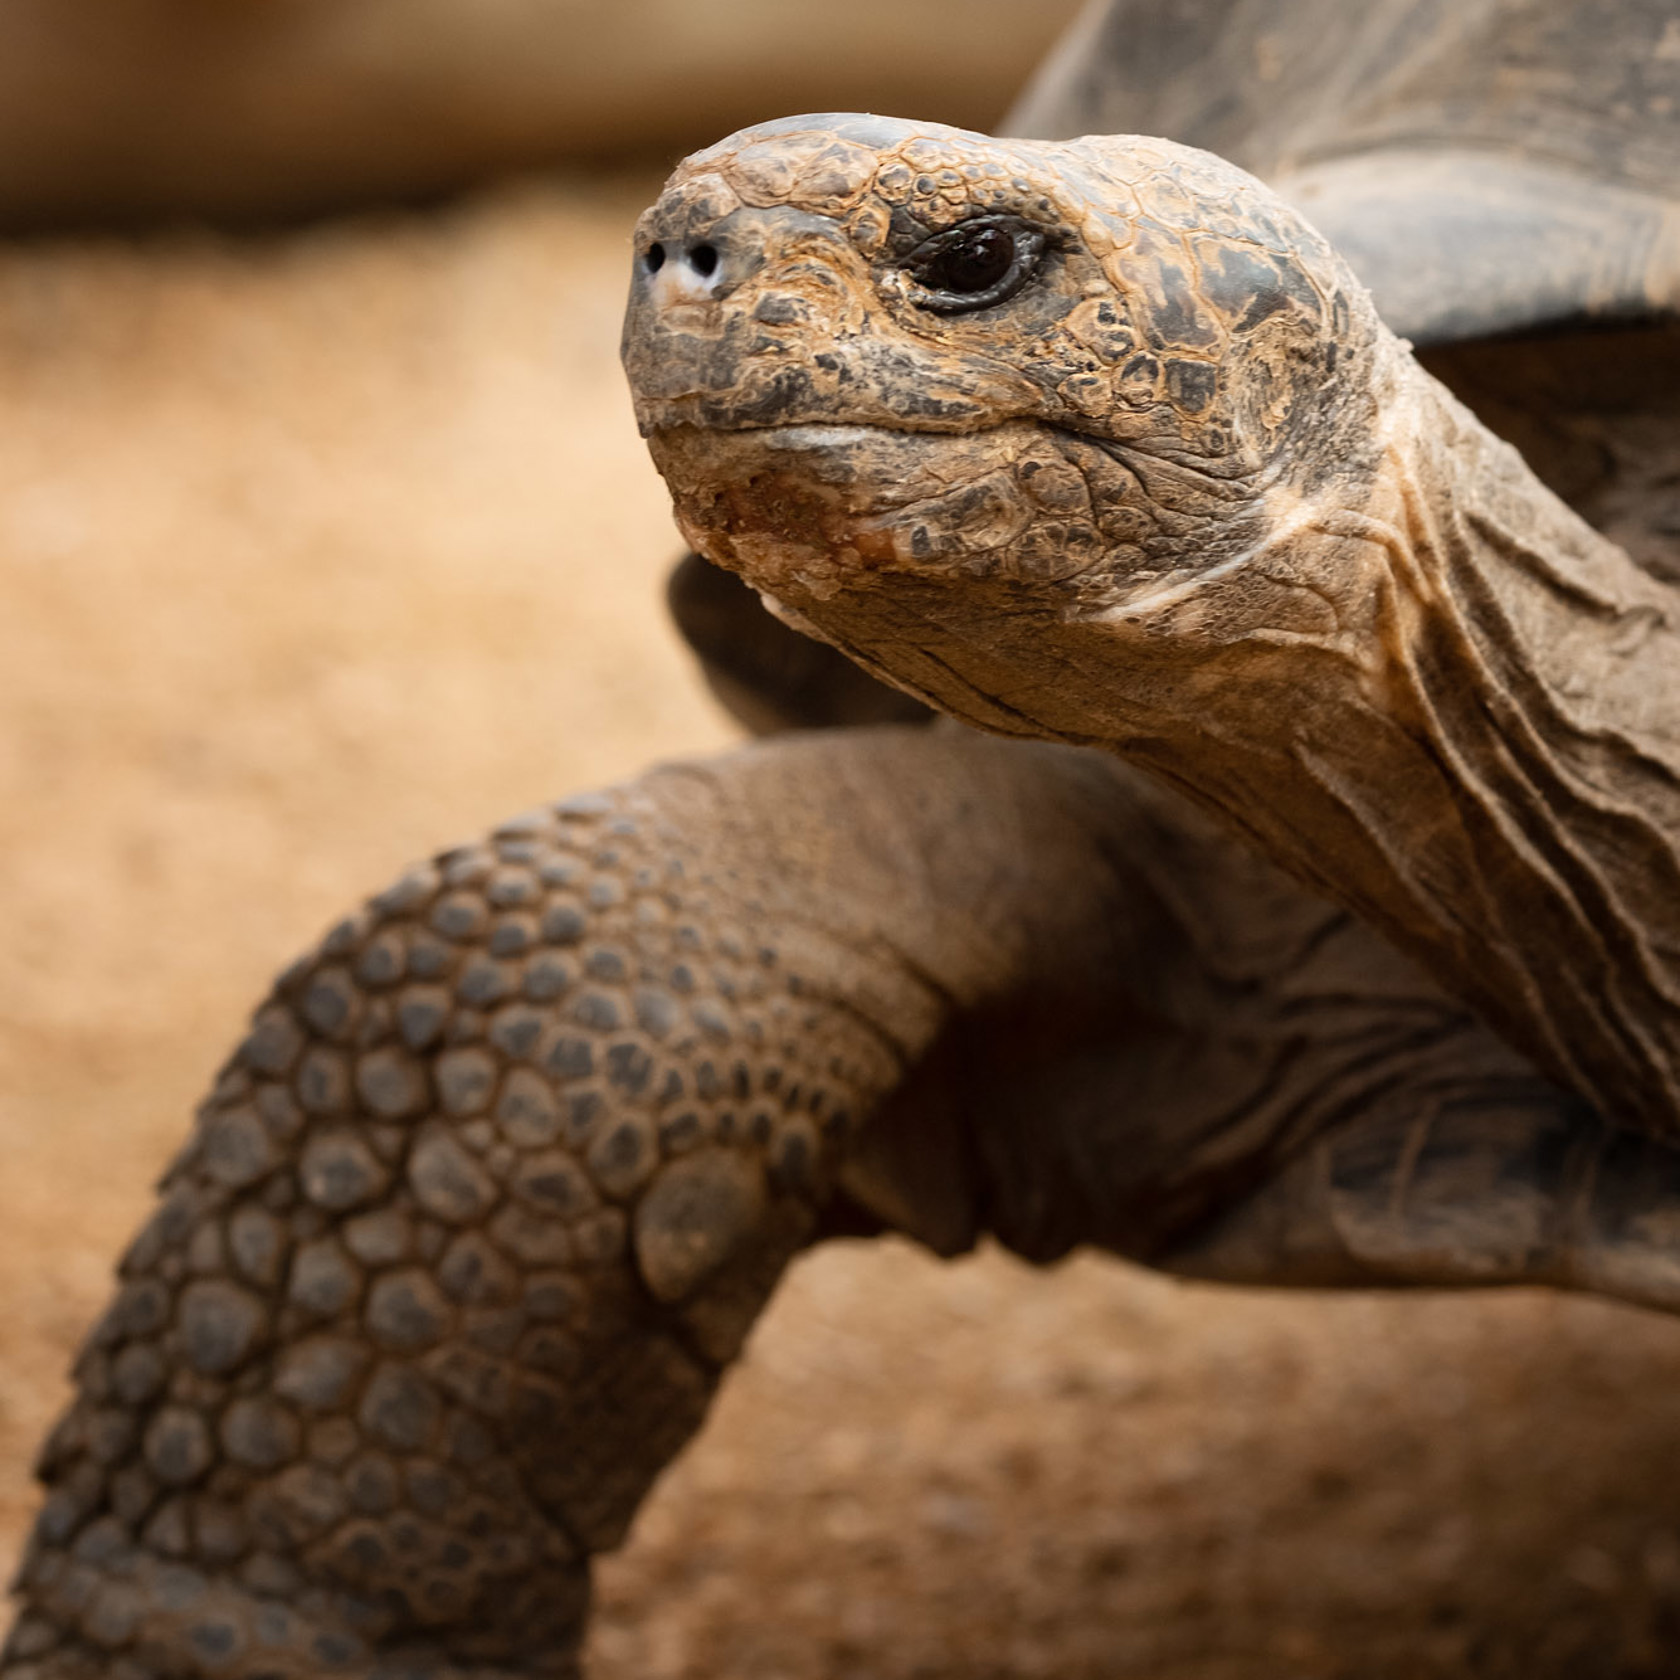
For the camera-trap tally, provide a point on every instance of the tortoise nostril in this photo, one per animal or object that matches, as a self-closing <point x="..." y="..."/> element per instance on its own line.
<point x="705" y="260"/>
<point x="655" y="258"/>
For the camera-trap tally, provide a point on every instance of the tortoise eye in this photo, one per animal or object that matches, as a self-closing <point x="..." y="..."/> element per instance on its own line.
<point x="974" y="264"/>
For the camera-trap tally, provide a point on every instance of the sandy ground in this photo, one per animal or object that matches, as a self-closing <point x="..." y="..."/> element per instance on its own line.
<point x="318" y="552"/>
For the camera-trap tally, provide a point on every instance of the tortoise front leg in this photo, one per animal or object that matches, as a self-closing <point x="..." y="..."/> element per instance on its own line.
<point x="490" y="1196"/>
<point x="479" y="1211"/>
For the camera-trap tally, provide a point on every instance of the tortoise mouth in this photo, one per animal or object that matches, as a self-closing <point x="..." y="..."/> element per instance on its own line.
<point x="807" y="509"/>
<point x="827" y="435"/>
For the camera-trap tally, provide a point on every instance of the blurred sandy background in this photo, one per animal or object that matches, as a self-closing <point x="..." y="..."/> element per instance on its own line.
<point x="321" y="548"/>
<point x="130" y="108"/>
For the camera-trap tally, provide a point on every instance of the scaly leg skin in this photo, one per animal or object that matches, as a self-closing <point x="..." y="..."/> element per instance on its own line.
<point x="463" y="1238"/>
<point x="488" y="1198"/>
<point x="491" y="1194"/>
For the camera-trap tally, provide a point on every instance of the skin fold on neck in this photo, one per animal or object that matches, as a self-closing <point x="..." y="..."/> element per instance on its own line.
<point x="1446" y="704"/>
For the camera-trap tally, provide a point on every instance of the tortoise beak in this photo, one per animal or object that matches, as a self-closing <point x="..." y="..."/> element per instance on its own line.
<point x="700" y="343"/>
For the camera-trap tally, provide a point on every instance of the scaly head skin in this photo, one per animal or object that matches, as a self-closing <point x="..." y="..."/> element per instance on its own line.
<point x="948" y="400"/>
<point x="1099" y="441"/>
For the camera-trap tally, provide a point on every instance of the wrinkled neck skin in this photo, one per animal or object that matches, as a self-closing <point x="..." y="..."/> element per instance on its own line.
<point x="1449" y="703"/>
<point x="1429" y="690"/>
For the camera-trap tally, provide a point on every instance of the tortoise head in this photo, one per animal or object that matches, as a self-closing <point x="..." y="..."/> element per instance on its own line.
<point x="932" y="393"/>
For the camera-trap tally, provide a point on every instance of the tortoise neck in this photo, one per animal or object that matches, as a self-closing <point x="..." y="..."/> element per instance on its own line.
<point x="1546" y="667"/>
<point x="1482" y="746"/>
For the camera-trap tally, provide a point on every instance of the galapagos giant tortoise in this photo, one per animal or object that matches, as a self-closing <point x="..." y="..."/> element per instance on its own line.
<point x="1096" y="445"/>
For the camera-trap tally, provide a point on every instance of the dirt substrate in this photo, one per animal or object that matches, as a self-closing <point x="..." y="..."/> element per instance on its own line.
<point x="317" y="553"/>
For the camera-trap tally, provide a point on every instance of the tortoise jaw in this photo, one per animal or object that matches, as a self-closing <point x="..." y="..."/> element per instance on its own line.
<point x="804" y="511"/>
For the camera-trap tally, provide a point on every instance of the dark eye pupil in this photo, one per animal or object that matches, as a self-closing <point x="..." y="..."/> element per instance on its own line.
<point x="974" y="263"/>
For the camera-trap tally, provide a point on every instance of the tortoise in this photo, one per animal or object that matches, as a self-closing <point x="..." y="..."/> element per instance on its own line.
<point x="1099" y="446"/>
